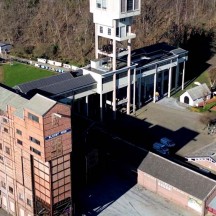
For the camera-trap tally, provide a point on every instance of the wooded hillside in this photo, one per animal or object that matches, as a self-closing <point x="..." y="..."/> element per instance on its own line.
<point x="64" y="29"/>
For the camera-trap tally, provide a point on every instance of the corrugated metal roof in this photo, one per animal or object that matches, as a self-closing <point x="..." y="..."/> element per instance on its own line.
<point x="10" y="98"/>
<point x="199" y="91"/>
<point x="178" y="176"/>
<point x="64" y="86"/>
<point x="40" y="104"/>
<point x="26" y="87"/>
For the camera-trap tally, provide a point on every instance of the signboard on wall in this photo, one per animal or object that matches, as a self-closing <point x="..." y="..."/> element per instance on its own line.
<point x="58" y="134"/>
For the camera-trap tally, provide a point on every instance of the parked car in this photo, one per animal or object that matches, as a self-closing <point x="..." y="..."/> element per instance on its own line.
<point x="158" y="145"/>
<point x="163" y="151"/>
<point x="167" y="142"/>
<point x="161" y="148"/>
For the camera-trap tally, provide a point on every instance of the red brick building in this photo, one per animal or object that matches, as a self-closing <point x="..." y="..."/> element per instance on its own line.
<point x="35" y="155"/>
<point x="177" y="183"/>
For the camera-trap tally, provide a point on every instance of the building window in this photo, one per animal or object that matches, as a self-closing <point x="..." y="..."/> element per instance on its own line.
<point x="101" y="4"/>
<point x="101" y="29"/>
<point x="5" y="130"/>
<point x="1" y="159"/>
<point x="5" y="120"/>
<point x="1" y="146"/>
<point x="29" y="202"/>
<point x="3" y="184"/>
<point x="35" y="151"/>
<point x="109" y="31"/>
<point x="21" y="197"/>
<point x="136" y="4"/>
<point x="117" y="31"/>
<point x="10" y="189"/>
<point x="122" y="20"/>
<point x="34" y="140"/>
<point x="129" y="5"/>
<point x="33" y="117"/>
<point x="19" y="142"/>
<point x="98" y="3"/>
<point x="7" y="150"/>
<point x="19" y="132"/>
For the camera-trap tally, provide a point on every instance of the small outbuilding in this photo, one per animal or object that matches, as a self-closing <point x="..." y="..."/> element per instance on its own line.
<point x="196" y="95"/>
<point x="5" y="47"/>
<point x="177" y="183"/>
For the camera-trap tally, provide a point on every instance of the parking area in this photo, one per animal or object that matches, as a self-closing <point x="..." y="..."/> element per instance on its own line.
<point x="169" y="119"/>
<point x="115" y="195"/>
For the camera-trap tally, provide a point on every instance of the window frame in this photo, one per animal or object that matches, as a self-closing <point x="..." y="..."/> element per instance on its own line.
<point x="19" y="142"/>
<point x="18" y="131"/>
<point x="34" y="140"/>
<point x="33" y="117"/>
<point x="7" y="150"/>
<point x="10" y="189"/>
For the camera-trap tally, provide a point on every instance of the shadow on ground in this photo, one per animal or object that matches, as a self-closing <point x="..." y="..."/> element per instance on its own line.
<point x="121" y="146"/>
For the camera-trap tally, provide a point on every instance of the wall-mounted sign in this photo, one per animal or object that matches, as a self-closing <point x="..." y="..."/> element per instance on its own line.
<point x="58" y="134"/>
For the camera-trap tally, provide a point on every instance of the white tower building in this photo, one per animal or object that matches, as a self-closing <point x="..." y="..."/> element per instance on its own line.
<point x="113" y="20"/>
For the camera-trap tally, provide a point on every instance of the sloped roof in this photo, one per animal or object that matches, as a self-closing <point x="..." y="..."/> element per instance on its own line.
<point x="40" y="104"/>
<point x="178" y="176"/>
<point x="207" y="151"/>
<point x="199" y="91"/>
<point x="72" y="84"/>
<point x="36" y="84"/>
<point x="8" y="97"/>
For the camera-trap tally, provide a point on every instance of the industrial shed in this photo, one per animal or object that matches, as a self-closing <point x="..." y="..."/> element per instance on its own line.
<point x="196" y="95"/>
<point x="177" y="183"/>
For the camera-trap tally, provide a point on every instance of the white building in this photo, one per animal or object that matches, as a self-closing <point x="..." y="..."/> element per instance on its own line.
<point x="196" y="95"/>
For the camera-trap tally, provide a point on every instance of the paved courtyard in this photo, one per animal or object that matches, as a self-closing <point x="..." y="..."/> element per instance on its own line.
<point x="115" y="195"/>
<point x="168" y="118"/>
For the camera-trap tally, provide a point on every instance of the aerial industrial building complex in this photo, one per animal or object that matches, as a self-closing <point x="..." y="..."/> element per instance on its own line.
<point x="36" y="118"/>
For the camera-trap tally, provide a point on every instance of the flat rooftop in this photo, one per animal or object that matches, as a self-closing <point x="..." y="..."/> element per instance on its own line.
<point x="144" y="56"/>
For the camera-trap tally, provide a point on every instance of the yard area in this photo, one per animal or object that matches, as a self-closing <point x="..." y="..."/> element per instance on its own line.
<point x="203" y="78"/>
<point x="16" y="73"/>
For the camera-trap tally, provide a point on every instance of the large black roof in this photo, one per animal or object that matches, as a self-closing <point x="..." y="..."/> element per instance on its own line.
<point x="69" y="85"/>
<point x="152" y="53"/>
<point x="36" y="84"/>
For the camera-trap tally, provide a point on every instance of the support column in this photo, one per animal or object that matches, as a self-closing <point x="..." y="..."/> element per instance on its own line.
<point x="134" y="91"/>
<point x="144" y="86"/>
<point x="101" y="107"/>
<point x="114" y="69"/>
<point x="129" y="74"/>
<point x="96" y="41"/>
<point x="155" y="85"/>
<point x="177" y="75"/>
<point x="170" y="81"/>
<point x="162" y="84"/>
<point x="87" y="106"/>
<point x="139" y="90"/>
<point x="183" y="75"/>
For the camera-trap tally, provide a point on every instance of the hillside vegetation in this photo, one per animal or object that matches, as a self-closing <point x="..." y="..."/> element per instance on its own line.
<point x="64" y="28"/>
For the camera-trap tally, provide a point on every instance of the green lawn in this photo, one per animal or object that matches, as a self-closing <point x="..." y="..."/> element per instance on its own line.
<point x="19" y="73"/>
<point x="203" y="78"/>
